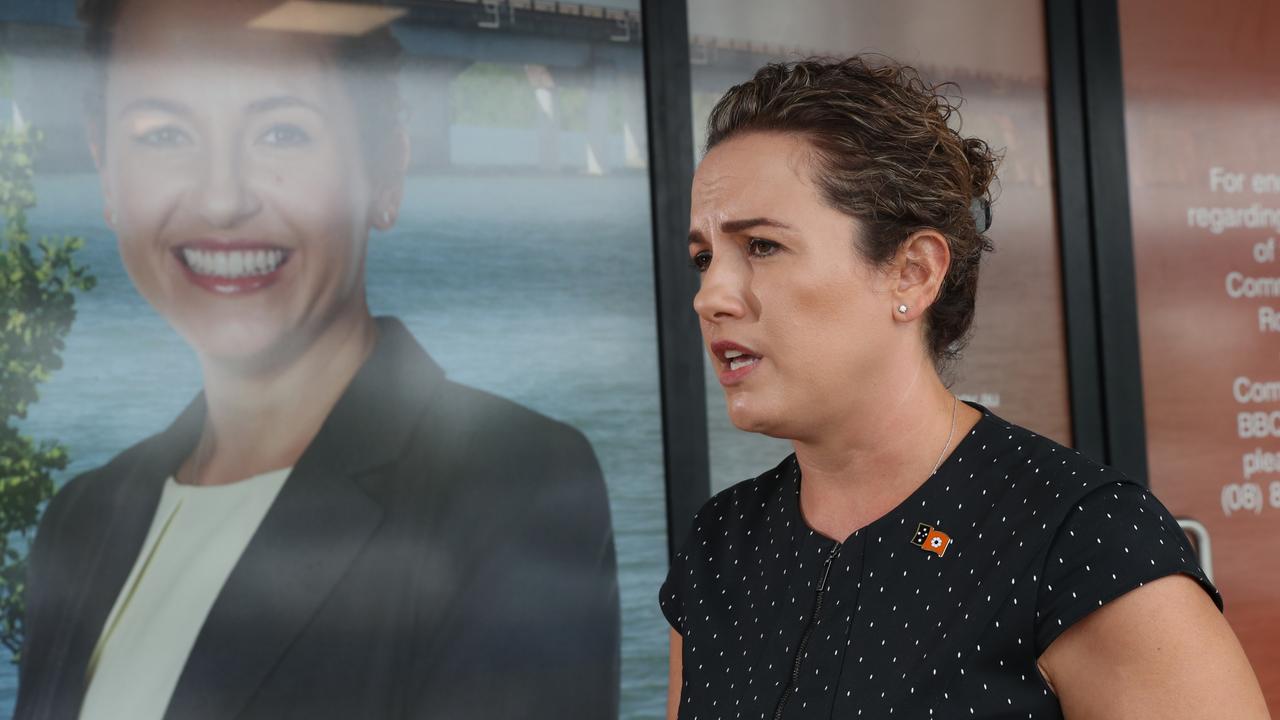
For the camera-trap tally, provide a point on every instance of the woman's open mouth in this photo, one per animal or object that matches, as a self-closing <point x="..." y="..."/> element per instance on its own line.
<point x="231" y="268"/>
<point x="736" y="361"/>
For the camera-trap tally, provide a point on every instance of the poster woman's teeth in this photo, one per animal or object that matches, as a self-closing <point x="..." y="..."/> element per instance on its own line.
<point x="232" y="264"/>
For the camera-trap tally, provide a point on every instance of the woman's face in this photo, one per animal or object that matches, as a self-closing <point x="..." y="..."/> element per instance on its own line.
<point x="798" y="326"/>
<point x="234" y="179"/>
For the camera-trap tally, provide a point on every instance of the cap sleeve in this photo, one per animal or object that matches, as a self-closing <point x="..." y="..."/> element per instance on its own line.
<point x="681" y="585"/>
<point x="670" y="596"/>
<point x="1117" y="538"/>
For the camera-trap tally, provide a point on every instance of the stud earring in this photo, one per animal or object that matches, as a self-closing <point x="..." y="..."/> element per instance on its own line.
<point x="386" y="217"/>
<point x="902" y="309"/>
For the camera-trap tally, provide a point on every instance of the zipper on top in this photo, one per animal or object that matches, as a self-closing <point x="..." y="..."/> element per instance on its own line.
<point x="808" y="630"/>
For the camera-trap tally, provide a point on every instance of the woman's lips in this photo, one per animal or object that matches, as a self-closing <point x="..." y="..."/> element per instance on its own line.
<point x="735" y="361"/>
<point x="231" y="268"/>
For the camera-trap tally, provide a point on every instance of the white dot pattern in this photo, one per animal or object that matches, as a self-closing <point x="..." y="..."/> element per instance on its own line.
<point x="1040" y="537"/>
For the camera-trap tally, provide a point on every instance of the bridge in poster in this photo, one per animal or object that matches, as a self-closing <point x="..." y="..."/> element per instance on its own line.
<point x="588" y="55"/>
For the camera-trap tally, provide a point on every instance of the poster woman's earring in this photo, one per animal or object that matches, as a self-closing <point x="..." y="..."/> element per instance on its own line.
<point x="902" y="309"/>
<point x="386" y="218"/>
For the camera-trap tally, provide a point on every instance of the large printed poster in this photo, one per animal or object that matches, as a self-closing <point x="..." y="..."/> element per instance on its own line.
<point x="363" y="397"/>
<point x="1202" y="114"/>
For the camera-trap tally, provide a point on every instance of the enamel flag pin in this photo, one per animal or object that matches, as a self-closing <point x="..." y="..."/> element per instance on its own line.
<point x="931" y="540"/>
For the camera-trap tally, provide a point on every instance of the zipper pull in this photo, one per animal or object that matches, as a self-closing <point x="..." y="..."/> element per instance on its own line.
<point x="826" y="567"/>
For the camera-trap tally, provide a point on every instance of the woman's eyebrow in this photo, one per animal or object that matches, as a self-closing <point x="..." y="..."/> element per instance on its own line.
<point x="731" y="227"/>
<point x="737" y="226"/>
<point x="152" y="103"/>
<point x="277" y="102"/>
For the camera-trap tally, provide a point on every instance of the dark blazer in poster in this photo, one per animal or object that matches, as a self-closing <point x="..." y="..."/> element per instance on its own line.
<point x="436" y="552"/>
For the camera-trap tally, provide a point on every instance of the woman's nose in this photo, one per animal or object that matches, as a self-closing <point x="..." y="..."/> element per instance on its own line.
<point x="722" y="294"/>
<point x="224" y="198"/>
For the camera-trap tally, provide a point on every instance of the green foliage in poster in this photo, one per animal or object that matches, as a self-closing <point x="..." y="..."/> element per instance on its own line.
<point x="37" y="307"/>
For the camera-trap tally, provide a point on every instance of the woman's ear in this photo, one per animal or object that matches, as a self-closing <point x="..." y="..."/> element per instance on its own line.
<point x="920" y="267"/>
<point x="389" y="190"/>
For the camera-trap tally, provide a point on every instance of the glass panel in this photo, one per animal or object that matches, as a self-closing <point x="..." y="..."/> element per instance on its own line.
<point x="519" y="256"/>
<point x="1200" y="98"/>
<point x="1015" y="363"/>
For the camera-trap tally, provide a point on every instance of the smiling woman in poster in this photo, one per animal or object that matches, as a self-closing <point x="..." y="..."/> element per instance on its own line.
<point x="332" y="529"/>
<point x="917" y="556"/>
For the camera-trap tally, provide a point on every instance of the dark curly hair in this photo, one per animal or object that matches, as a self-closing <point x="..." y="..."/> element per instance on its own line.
<point x="371" y="65"/>
<point x="887" y="155"/>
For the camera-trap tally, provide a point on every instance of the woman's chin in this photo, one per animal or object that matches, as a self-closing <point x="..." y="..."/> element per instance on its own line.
<point x="237" y="345"/>
<point x="748" y="415"/>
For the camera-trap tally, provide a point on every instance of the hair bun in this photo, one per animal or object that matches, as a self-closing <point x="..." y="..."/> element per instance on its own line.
<point x="982" y="162"/>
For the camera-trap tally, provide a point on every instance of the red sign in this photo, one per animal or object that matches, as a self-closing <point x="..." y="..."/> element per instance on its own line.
<point x="1202" y="103"/>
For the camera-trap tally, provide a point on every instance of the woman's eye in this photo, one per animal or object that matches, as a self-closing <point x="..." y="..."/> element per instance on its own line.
<point x="701" y="261"/>
<point x="760" y="247"/>
<point x="166" y="136"/>
<point x="285" y="136"/>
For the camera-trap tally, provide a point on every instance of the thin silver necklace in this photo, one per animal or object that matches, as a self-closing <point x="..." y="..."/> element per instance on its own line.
<point x="955" y="401"/>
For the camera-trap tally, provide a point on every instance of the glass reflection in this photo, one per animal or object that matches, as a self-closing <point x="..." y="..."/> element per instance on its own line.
<point x="253" y="185"/>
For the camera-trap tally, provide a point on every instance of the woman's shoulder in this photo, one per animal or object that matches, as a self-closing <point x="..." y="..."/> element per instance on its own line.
<point x="1009" y="492"/>
<point x="488" y="433"/>
<point x="476" y="411"/>
<point x="1000" y="461"/>
<point x="1088" y="532"/>
<point x="748" y="505"/>
<point x="760" y="492"/>
<point x="723" y="526"/>
<point x="79" y="508"/>
<point x="133" y="472"/>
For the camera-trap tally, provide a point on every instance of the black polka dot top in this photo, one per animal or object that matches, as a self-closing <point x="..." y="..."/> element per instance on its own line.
<point x="938" y="609"/>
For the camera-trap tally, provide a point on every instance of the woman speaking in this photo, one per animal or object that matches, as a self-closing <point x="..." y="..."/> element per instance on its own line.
<point x="916" y="556"/>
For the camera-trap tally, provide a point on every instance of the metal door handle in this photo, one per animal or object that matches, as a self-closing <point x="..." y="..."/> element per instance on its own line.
<point x="1204" y="549"/>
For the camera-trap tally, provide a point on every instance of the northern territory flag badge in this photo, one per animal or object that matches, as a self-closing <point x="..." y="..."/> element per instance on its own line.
<point x="931" y="540"/>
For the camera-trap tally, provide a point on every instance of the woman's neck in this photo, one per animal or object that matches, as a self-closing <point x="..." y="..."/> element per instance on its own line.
<point x="263" y="417"/>
<point x="856" y="470"/>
